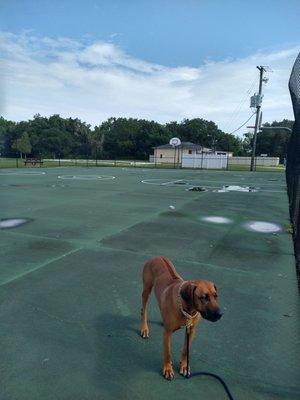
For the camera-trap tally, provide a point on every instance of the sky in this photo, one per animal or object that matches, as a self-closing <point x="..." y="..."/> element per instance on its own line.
<point x="160" y="60"/>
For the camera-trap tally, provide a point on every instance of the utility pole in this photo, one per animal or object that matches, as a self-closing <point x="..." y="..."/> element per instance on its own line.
<point x="258" y="101"/>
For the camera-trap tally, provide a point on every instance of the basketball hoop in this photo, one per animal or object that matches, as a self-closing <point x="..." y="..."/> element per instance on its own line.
<point x="175" y="142"/>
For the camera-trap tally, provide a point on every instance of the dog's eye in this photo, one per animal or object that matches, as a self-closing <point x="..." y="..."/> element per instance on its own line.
<point x="204" y="297"/>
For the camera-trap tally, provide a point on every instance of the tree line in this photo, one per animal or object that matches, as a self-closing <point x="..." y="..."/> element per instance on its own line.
<point x="127" y="138"/>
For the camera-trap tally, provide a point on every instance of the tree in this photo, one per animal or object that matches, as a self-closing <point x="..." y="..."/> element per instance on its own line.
<point x="196" y="130"/>
<point x="6" y="136"/>
<point x="272" y="142"/>
<point x="81" y="135"/>
<point x="231" y="143"/>
<point x="128" y="138"/>
<point x="247" y="143"/>
<point x="22" y="144"/>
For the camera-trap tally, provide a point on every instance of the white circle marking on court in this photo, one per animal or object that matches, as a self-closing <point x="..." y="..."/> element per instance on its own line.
<point x="161" y="182"/>
<point x="136" y="170"/>
<point x="217" y="220"/>
<point x="12" y="222"/>
<point x="262" y="226"/>
<point x="87" y="177"/>
<point x="22" y="173"/>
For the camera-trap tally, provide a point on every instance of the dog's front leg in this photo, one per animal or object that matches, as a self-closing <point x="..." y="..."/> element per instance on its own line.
<point x="184" y="370"/>
<point x="168" y="372"/>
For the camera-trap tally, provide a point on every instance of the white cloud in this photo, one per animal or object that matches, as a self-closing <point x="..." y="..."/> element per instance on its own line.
<point x="94" y="81"/>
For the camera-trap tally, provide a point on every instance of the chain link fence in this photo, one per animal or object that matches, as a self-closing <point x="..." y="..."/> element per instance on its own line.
<point x="206" y="161"/>
<point x="293" y="161"/>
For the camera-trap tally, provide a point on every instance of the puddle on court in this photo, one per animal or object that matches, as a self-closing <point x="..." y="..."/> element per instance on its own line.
<point x="196" y="189"/>
<point x="9" y="223"/>
<point x="235" y="188"/>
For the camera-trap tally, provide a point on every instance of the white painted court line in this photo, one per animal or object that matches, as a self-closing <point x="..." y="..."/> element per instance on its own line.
<point x="170" y="182"/>
<point x="157" y="181"/>
<point x="87" y="177"/>
<point x="160" y="181"/>
<point x="22" y="173"/>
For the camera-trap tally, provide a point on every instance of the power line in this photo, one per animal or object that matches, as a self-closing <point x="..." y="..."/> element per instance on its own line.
<point x="243" y="101"/>
<point x="243" y="124"/>
<point x="238" y="108"/>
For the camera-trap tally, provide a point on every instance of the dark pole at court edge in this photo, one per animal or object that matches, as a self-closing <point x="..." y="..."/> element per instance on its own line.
<point x="174" y="156"/>
<point x="257" y="119"/>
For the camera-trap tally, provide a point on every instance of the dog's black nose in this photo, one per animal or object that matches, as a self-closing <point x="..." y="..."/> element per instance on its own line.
<point x="218" y="314"/>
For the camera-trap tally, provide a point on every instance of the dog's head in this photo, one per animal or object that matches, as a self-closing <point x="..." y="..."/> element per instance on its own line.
<point x="202" y="296"/>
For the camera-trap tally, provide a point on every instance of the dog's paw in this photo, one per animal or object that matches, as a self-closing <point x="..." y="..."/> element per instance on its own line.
<point x="184" y="370"/>
<point x="145" y="333"/>
<point x="168" y="372"/>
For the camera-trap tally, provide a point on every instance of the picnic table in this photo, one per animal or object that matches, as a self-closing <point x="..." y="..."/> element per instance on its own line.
<point x="33" y="161"/>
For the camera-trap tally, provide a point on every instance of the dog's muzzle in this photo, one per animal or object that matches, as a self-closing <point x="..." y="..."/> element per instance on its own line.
<point x="212" y="316"/>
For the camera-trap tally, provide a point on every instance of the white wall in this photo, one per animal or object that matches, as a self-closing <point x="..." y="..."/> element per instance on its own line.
<point x="206" y="161"/>
<point x="259" y="161"/>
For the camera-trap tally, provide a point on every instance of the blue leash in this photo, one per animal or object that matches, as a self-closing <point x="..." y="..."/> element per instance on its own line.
<point x="229" y="395"/>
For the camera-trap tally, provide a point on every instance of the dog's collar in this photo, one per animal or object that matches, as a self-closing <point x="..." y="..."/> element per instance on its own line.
<point x="189" y="317"/>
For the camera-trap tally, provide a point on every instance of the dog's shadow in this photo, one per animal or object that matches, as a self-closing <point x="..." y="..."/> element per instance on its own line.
<point x="120" y="346"/>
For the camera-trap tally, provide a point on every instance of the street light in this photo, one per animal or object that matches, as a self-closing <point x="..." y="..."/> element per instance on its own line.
<point x="262" y="128"/>
<point x="283" y="128"/>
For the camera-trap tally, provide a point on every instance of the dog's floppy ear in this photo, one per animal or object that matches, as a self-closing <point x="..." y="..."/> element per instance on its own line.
<point x="187" y="293"/>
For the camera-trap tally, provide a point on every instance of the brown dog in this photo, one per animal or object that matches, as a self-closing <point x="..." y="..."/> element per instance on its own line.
<point x="182" y="304"/>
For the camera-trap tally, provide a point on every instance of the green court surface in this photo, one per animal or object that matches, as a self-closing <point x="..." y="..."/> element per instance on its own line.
<point x="71" y="283"/>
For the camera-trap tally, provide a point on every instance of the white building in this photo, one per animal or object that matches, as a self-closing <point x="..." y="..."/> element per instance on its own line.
<point x="168" y="154"/>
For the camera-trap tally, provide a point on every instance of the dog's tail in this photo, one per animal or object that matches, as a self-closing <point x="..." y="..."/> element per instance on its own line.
<point x="154" y="266"/>
<point x="171" y="268"/>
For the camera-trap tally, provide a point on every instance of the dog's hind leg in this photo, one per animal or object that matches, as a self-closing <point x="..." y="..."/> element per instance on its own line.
<point x="148" y="284"/>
